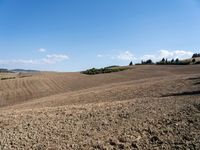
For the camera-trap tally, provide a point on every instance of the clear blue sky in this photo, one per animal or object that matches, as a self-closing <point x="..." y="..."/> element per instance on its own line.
<point x="72" y="35"/>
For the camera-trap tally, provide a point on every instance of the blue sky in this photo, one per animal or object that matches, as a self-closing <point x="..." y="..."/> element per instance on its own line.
<point x="73" y="35"/>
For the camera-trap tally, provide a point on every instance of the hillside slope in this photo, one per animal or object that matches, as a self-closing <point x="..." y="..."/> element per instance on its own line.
<point x="146" y="107"/>
<point x="46" y="84"/>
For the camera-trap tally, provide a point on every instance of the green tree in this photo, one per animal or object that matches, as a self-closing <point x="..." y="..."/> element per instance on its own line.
<point x="131" y="63"/>
<point x="163" y="60"/>
<point x="149" y="61"/>
<point x="193" y="61"/>
<point x="177" y="60"/>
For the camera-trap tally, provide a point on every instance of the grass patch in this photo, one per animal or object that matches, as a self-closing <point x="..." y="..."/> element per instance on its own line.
<point x="187" y="93"/>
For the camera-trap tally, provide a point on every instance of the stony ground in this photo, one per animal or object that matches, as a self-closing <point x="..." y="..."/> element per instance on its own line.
<point x="154" y="113"/>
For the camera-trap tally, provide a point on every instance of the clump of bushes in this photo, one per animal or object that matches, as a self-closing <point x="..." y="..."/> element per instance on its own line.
<point x="147" y="62"/>
<point x="183" y="63"/>
<point x="7" y="78"/>
<point x="110" y="69"/>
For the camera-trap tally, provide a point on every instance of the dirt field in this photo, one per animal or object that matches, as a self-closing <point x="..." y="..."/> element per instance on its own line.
<point x="145" y="107"/>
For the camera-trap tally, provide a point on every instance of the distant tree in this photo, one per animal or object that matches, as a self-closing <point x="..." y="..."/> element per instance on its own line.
<point x="149" y="61"/>
<point x="193" y="60"/>
<point x="194" y="55"/>
<point x="166" y="62"/>
<point x="131" y="63"/>
<point x="177" y="60"/>
<point x="172" y="61"/>
<point x="162" y="62"/>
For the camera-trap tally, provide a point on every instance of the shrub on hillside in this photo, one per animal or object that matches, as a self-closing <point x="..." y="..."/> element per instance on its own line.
<point x="7" y="78"/>
<point x="197" y="62"/>
<point x="193" y="61"/>
<point x="183" y="63"/>
<point x="94" y="71"/>
<point x="147" y="62"/>
<point x="109" y="67"/>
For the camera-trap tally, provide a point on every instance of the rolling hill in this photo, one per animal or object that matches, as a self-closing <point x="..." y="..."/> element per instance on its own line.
<point x="144" y="107"/>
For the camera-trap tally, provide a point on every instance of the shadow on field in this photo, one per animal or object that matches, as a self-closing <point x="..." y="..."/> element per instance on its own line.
<point x="183" y="93"/>
<point x="196" y="83"/>
<point x="195" y="78"/>
<point x="187" y="93"/>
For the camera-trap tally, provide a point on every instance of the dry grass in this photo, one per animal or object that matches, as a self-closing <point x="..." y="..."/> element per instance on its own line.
<point x="141" y="108"/>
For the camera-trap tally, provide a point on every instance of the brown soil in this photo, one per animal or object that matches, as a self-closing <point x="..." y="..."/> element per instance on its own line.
<point x="146" y="107"/>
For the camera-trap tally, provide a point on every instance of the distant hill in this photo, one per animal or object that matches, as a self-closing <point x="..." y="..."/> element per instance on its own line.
<point x="3" y="70"/>
<point x="23" y="71"/>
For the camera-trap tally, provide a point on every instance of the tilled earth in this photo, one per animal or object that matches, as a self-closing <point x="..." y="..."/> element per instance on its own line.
<point x="158" y="113"/>
<point x="134" y="124"/>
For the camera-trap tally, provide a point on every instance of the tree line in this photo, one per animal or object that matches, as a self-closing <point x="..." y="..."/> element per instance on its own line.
<point x="196" y="55"/>
<point x="161" y="62"/>
<point x="176" y="61"/>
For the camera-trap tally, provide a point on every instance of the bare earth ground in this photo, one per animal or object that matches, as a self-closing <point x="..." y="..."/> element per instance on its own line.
<point x="146" y="107"/>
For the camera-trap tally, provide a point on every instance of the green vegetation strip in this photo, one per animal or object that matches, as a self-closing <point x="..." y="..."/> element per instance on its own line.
<point x="8" y="78"/>
<point x="94" y="71"/>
